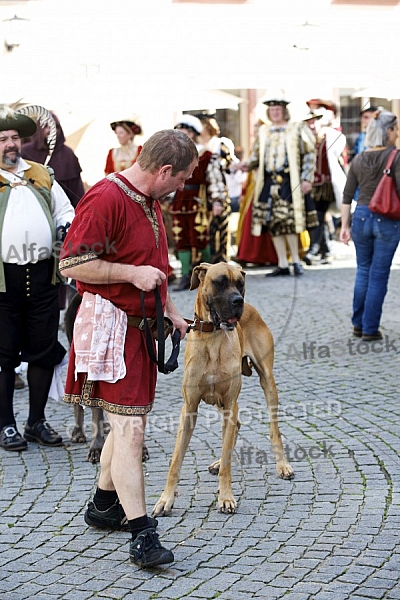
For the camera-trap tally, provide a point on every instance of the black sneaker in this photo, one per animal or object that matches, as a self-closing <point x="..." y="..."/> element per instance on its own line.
<point x="11" y="439"/>
<point x="146" y="551"/>
<point x="112" y="518"/>
<point x="42" y="433"/>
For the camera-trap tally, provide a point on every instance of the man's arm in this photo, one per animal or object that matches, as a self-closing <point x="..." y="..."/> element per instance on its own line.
<point x="144" y="277"/>
<point x="178" y="321"/>
<point x="61" y="207"/>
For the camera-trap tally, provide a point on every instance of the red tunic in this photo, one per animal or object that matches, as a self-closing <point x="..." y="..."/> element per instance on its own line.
<point x="114" y="227"/>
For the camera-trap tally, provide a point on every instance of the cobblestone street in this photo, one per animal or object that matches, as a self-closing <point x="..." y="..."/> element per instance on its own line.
<point x="331" y="533"/>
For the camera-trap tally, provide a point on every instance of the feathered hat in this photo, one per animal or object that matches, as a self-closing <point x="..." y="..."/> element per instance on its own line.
<point x="24" y="121"/>
<point x="275" y="98"/>
<point x="190" y="122"/>
<point x="131" y="124"/>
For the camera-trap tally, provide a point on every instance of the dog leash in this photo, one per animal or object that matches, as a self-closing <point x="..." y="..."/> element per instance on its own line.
<point x="172" y="362"/>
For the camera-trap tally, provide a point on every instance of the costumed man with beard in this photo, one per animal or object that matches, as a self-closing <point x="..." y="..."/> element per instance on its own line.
<point x="34" y="216"/>
<point x="284" y="154"/>
<point x="203" y="199"/>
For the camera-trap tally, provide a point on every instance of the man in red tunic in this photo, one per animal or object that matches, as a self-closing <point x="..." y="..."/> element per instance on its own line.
<point x="116" y="248"/>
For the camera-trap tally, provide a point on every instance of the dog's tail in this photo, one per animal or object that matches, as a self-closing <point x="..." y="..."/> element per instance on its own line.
<point x="70" y="314"/>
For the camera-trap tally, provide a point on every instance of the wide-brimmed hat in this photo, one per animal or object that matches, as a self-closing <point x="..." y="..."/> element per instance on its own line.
<point x="316" y="114"/>
<point x="190" y="122"/>
<point x="275" y="97"/>
<point x="131" y="124"/>
<point x="328" y="104"/>
<point x="276" y="102"/>
<point x="12" y="119"/>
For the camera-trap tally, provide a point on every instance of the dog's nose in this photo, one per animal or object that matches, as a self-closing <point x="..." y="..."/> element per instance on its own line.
<point x="237" y="300"/>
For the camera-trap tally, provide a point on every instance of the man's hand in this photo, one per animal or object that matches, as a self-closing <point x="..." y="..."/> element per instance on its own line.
<point x="147" y="278"/>
<point x="305" y="187"/>
<point x="178" y="321"/>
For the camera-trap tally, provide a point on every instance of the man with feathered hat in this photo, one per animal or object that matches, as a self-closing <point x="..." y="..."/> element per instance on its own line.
<point x="34" y="213"/>
<point x="284" y="156"/>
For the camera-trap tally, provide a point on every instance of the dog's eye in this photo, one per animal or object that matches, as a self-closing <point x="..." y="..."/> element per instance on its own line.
<point x="240" y="285"/>
<point x="221" y="282"/>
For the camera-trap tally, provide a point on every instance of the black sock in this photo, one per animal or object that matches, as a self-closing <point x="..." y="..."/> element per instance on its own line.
<point x="138" y="525"/>
<point x="7" y="379"/>
<point x="104" y="499"/>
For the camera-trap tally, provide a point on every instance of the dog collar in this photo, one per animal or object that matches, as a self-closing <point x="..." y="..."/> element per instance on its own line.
<point x="202" y="326"/>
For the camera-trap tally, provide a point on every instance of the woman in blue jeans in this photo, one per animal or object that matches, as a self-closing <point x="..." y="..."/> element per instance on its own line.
<point x="375" y="237"/>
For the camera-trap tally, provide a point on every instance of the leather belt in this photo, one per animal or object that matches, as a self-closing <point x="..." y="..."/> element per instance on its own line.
<point x="139" y="322"/>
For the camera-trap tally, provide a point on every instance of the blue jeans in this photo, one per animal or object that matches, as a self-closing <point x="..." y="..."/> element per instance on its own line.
<point x="376" y="240"/>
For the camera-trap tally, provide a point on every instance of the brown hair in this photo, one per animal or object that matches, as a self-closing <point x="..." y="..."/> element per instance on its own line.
<point x="168" y="147"/>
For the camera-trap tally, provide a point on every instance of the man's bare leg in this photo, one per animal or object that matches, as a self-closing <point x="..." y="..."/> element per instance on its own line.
<point x="121" y="463"/>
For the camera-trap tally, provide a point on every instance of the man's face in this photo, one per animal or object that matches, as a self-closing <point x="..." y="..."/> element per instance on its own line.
<point x="168" y="183"/>
<point x="10" y="148"/>
<point x="276" y="114"/>
<point x="365" y="119"/>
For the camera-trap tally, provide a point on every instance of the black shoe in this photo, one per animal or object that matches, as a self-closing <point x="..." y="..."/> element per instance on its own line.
<point x="278" y="272"/>
<point x="371" y="337"/>
<point x="183" y="284"/>
<point x="298" y="269"/>
<point x="112" y="518"/>
<point x="309" y="259"/>
<point x="146" y="551"/>
<point x="42" y="433"/>
<point x="357" y="331"/>
<point x="19" y="383"/>
<point x="11" y="439"/>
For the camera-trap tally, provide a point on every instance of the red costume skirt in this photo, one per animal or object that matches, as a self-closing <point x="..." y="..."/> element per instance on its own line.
<point x="132" y="395"/>
<point x="255" y="249"/>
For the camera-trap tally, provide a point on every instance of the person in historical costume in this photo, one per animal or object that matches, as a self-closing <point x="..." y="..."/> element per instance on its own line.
<point x="284" y="156"/>
<point x="116" y="249"/>
<point x="119" y="159"/>
<point x="222" y="147"/>
<point x="63" y="161"/>
<point x="329" y="181"/>
<point x="203" y="200"/>
<point x="35" y="213"/>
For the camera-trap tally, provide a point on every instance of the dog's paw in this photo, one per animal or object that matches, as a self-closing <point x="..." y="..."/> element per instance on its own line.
<point x="163" y="507"/>
<point x="145" y="453"/>
<point x="285" y="471"/>
<point x="227" y="505"/>
<point x="77" y="435"/>
<point x="214" y="467"/>
<point x="94" y="455"/>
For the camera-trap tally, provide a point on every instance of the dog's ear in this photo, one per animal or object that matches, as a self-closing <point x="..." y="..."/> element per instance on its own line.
<point x="198" y="275"/>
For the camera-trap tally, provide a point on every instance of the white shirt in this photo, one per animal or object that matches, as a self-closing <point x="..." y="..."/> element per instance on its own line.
<point x="26" y="235"/>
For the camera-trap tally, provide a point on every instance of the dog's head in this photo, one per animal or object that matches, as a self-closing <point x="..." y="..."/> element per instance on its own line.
<point x="220" y="297"/>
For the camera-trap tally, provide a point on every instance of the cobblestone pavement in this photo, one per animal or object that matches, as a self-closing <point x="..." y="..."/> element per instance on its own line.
<point x="332" y="533"/>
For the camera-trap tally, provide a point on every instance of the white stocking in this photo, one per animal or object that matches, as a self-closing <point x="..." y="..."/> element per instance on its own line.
<point x="280" y="247"/>
<point x="293" y="242"/>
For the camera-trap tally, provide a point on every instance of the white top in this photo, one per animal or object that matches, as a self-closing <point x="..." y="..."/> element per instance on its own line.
<point x="26" y="235"/>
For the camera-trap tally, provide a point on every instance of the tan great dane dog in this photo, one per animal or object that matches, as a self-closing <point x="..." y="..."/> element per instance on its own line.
<point x="227" y="333"/>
